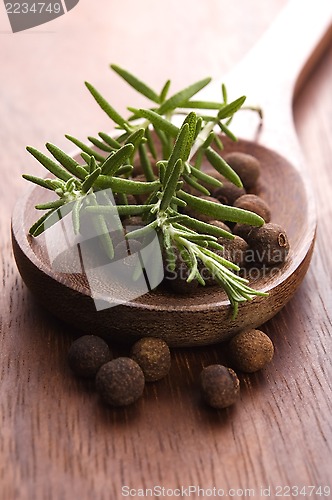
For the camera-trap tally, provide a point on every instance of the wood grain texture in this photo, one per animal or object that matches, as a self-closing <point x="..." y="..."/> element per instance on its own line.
<point x="57" y="441"/>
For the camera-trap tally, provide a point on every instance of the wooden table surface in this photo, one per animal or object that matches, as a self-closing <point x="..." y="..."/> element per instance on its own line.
<point x="57" y="441"/>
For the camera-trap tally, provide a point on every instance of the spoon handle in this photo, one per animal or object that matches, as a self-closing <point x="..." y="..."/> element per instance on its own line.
<point x="291" y="46"/>
<point x="274" y="69"/>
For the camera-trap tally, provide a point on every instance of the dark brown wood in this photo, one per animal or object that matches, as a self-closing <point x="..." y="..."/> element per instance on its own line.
<point x="57" y="441"/>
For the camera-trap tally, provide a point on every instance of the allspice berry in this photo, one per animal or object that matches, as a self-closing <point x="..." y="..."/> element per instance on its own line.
<point x="153" y="356"/>
<point x="242" y="230"/>
<point x="220" y="386"/>
<point x="228" y="193"/>
<point x="246" y="166"/>
<point x="254" y="204"/>
<point x="234" y="250"/>
<point x="250" y="351"/>
<point x="269" y="244"/>
<point x="87" y="354"/>
<point x="120" y="382"/>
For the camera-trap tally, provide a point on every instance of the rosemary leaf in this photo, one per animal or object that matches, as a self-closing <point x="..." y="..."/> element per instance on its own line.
<point x="85" y="148"/>
<point x="226" y="131"/>
<point x="189" y="180"/>
<point x="100" y="145"/>
<point x="222" y="166"/>
<point x="199" y="123"/>
<point x="124" y="170"/>
<point x="136" y="137"/>
<point x="37" y="180"/>
<point x="182" y="96"/>
<point x="49" y="164"/>
<point x="127" y="186"/>
<point x="200" y="226"/>
<point x="85" y="157"/>
<point x="150" y="143"/>
<point x="137" y="84"/>
<point x="201" y="105"/>
<point x="49" y="219"/>
<point x="82" y="171"/>
<point x="191" y="120"/>
<point x="51" y="204"/>
<point x="178" y="151"/>
<point x="208" y="179"/>
<point x="109" y="140"/>
<point x="164" y="91"/>
<point x="105" y="106"/>
<point x="120" y="209"/>
<point x="92" y="164"/>
<point x="115" y="160"/>
<point x="90" y="180"/>
<point x="40" y="222"/>
<point x="142" y="231"/>
<point x="231" y="108"/>
<point x="172" y="182"/>
<point x="145" y="163"/>
<point x="218" y="142"/>
<point x="76" y="215"/>
<point x="66" y="161"/>
<point x="219" y="211"/>
<point x="157" y="120"/>
<point x="176" y="201"/>
<point x="224" y="93"/>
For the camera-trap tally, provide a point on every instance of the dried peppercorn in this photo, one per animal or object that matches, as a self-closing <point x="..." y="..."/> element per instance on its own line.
<point x="234" y="250"/>
<point x="120" y="382"/>
<point x="228" y="193"/>
<point x="254" y="204"/>
<point x="220" y="386"/>
<point x="153" y="356"/>
<point x="269" y="244"/>
<point x="87" y="354"/>
<point x="246" y="166"/>
<point x="250" y="351"/>
<point x="242" y="230"/>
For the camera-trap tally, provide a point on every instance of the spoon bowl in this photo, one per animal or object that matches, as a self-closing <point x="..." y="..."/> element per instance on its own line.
<point x="202" y="317"/>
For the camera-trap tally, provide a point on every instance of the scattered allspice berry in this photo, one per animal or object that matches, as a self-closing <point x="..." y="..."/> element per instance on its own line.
<point x="120" y="382"/>
<point x="246" y="166"/>
<point x="254" y="204"/>
<point x="87" y="354"/>
<point x="220" y="386"/>
<point x="250" y="351"/>
<point x="269" y="244"/>
<point x="153" y="356"/>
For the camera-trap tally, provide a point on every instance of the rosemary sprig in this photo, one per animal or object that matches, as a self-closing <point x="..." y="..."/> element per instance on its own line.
<point x="150" y="136"/>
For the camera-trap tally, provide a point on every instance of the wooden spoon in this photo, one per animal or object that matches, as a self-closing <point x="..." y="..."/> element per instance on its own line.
<point x="270" y="76"/>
